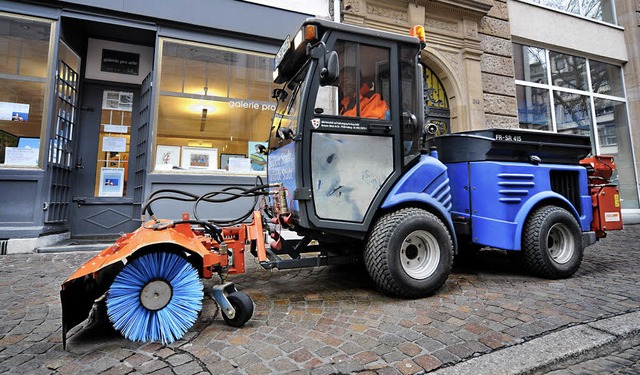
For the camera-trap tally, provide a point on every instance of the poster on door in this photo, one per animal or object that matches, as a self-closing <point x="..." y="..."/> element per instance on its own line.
<point x="111" y="182"/>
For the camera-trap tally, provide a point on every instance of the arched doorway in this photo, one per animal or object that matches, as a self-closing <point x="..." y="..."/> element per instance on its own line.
<point x="436" y="103"/>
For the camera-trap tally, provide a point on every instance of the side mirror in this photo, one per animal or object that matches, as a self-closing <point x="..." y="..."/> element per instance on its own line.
<point x="279" y="94"/>
<point x="331" y="70"/>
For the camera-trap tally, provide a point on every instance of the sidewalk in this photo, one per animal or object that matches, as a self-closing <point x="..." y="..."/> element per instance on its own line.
<point x="558" y="350"/>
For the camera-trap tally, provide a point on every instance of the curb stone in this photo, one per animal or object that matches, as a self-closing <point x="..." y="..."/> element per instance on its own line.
<point x="556" y="350"/>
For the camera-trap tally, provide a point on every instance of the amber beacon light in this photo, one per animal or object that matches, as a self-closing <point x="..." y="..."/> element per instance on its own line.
<point x="418" y="32"/>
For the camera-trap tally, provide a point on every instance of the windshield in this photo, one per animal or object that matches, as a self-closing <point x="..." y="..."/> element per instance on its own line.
<point x="285" y="119"/>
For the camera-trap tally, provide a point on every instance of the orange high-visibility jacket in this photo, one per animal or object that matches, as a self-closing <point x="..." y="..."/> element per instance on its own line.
<point x="371" y="105"/>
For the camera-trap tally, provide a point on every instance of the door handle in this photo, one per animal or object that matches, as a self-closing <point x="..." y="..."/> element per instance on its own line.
<point x="79" y="201"/>
<point x="384" y="127"/>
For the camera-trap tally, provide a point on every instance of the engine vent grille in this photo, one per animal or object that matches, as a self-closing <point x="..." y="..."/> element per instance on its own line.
<point x="566" y="184"/>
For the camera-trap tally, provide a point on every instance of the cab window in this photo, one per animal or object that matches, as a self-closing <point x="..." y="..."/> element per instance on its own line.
<point x="363" y="88"/>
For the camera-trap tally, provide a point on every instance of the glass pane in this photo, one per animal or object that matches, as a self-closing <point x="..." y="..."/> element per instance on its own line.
<point x="530" y="63"/>
<point x="364" y="89"/>
<point x="534" y="110"/>
<point x="606" y="78"/>
<point x="598" y="9"/>
<point x="613" y="134"/>
<point x="21" y="106"/>
<point x="568" y="71"/>
<point x="24" y="57"/>
<point x="24" y="47"/>
<point x="570" y="6"/>
<point x="215" y="106"/>
<point x="112" y="165"/>
<point x="573" y="113"/>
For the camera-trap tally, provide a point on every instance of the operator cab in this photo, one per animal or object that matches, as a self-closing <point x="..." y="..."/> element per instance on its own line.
<point x="347" y="122"/>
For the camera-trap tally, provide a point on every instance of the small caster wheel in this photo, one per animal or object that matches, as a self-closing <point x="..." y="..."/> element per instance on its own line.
<point x="243" y="305"/>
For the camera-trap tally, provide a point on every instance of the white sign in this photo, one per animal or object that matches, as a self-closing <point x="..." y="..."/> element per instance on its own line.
<point x="114" y="144"/>
<point x="21" y="156"/>
<point x="116" y="129"/>
<point x="14" y="111"/>
<point x="240" y="165"/>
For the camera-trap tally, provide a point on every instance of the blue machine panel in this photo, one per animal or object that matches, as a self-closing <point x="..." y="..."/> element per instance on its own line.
<point x="503" y="194"/>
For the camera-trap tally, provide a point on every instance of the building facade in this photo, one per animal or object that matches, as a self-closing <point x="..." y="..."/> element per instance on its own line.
<point x="103" y="105"/>
<point x="566" y="66"/>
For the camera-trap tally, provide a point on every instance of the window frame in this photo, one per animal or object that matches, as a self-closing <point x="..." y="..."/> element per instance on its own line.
<point x="590" y="93"/>
<point x="162" y="42"/>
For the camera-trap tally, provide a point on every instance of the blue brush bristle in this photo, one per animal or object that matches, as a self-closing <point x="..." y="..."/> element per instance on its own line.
<point x="168" y="324"/>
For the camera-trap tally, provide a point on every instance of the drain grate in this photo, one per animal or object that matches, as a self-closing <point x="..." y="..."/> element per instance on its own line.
<point x="3" y="247"/>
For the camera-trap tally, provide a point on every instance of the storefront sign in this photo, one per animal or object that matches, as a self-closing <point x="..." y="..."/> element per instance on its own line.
<point x="246" y="104"/>
<point x="120" y="62"/>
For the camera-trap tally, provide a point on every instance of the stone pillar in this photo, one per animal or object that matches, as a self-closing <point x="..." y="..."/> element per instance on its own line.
<point x="628" y="13"/>
<point x="498" y="77"/>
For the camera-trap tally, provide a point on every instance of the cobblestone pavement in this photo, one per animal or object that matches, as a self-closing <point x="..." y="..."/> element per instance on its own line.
<point x="324" y="320"/>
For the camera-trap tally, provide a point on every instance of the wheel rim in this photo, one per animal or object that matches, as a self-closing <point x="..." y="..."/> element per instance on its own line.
<point x="560" y="243"/>
<point x="420" y="254"/>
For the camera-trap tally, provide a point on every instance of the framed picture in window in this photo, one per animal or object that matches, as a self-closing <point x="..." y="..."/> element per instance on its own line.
<point x="199" y="158"/>
<point x="167" y="157"/>
<point x="224" y="159"/>
<point x="258" y="156"/>
<point x="111" y="182"/>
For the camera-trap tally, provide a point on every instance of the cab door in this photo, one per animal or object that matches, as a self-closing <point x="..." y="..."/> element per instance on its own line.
<point x="352" y="149"/>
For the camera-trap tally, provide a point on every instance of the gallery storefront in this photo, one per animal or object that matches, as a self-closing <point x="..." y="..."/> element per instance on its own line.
<point x="101" y="107"/>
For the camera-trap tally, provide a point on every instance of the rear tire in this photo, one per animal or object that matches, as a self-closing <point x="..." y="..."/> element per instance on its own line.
<point x="409" y="253"/>
<point x="552" y="243"/>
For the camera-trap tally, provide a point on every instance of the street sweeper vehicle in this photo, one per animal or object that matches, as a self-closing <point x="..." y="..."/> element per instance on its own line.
<point x="353" y="172"/>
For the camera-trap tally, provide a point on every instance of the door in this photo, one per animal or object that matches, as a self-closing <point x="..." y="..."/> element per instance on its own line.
<point x="102" y="192"/>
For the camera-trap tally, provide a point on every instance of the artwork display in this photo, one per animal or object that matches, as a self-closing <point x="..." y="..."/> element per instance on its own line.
<point x="111" y="182"/>
<point x="199" y="158"/>
<point x="167" y="157"/>
<point x="258" y="156"/>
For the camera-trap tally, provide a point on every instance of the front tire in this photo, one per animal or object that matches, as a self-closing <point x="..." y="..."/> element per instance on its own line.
<point x="552" y="243"/>
<point x="243" y="305"/>
<point x="409" y="253"/>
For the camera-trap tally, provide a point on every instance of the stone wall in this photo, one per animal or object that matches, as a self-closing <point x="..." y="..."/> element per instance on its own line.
<point x="468" y="47"/>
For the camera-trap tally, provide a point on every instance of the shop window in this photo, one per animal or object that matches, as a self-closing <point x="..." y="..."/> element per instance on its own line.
<point x="24" y="62"/>
<point x="585" y="97"/>
<point x="214" y="110"/>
